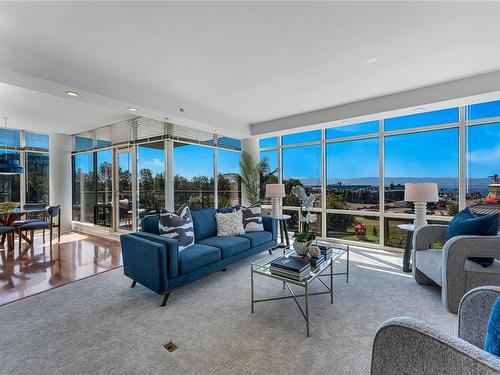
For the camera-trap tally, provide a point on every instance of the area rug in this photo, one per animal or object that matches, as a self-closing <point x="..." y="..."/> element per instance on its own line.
<point x="101" y="326"/>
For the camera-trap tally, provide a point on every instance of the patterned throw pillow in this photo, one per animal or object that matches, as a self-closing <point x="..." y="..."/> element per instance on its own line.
<point x="252" y="217"/>
<point x="178" y="226"/>
<point x="229" y="224"/>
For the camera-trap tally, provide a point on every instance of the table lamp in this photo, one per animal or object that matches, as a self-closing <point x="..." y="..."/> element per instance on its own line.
<point x="275" y="192"/>
<point x="420" y="193"/>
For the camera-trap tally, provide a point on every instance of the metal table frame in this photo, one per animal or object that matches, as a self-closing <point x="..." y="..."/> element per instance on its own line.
<point x="304" y="284"/>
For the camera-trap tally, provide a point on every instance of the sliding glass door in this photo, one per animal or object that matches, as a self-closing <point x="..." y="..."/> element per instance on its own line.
<point x="125" y="190"/>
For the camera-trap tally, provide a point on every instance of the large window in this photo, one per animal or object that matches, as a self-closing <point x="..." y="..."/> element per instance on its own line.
<point x="302" y="168"/>
<point x="37" y="140"/>
<point x="83" y="187"/>
<point x="271" y="175"/>
<point x="31" y="187"/>
<point x="483" y="110"/>
<point x="193" y="176"/>
<point x="104" y="197"/>
<point x="352" y="130"/>
<point x="10" y="184"/>
<point x="362" y="160"/>
<point x="430" y="156"/>
<point x="311" y="136"/>
<point x="443" y="116"/>
<point x="483" y="162"/>
<point x="228" y="178"/>
<point x="352" y="175"/>
<point x="353" y="228"/>
<point x="151" y="177"/>
<point x="37" y="177"/>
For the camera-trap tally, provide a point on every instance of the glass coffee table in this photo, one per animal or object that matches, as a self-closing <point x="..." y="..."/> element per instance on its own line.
<point x="262" y="268"/>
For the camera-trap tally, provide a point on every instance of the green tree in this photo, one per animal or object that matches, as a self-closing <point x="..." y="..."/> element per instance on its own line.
<point x="338" y="222"/>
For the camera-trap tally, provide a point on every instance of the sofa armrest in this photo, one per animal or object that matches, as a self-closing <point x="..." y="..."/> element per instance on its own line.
<point x="145" y="261"/>
<point x="172" y="248"/>
<point x="474" y="312"/>
<point x="427" y="234"/>
<point x="455" y="253"/>
<point x="408" y="346"/>
<point x="270" y="225"/>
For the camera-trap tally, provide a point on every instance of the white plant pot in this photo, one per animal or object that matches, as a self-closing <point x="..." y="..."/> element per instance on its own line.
<point x="301" y="248"/>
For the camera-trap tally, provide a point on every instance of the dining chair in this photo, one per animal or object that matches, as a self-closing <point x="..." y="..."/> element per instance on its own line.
<point x="8" y="232"/>
<point x="53" y="212"/>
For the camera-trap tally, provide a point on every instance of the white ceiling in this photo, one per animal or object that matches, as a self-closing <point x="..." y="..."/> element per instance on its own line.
<point x="32" y="110"/>
<point x="232" y="64"/>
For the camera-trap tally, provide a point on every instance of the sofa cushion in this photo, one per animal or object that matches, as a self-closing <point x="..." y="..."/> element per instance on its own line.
<point x="466" y="223"/>
<point x="258" y="238"/>
<point x="228" y="245"/>
<point x="225" y="210"/>
<point x="430" y="263"/>
<point x="197" y="256"/>
<point x="204" y="223"/>
<point x="178" y="226"/>
<point x="492" y="340"/>
<point x="150" y="224"/>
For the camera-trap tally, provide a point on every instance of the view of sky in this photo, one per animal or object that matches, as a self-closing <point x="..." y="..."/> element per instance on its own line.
<point x="430" y="154"/>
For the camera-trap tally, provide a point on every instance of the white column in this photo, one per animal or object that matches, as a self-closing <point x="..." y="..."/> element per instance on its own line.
<point x="169" y="183"/>
<point x="60" y="189"/>
<point x="250" y="145"/>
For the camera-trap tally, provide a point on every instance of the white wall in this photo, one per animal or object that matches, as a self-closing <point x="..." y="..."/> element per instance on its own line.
<point x="60" y="176"/>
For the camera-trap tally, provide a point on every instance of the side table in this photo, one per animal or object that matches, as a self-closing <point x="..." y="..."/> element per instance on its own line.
<point x="409" y="228"/>
<point x="283" y="231"/>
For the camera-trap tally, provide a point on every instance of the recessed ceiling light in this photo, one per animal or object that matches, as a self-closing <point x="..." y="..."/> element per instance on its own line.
<point x="132" y="109"/>
<point x="346" y="122"/>
<point x="71" y="93"/>
<point x="181" y="109"/>
<point x="166" y="118"/>
<point x="372" y="60"/>
<point x="420" y="109"/>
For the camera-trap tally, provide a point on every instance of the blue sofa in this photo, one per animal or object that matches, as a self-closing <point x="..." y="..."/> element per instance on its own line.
<point x="155" y="261"/>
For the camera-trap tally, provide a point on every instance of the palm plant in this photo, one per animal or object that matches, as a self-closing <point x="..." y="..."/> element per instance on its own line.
<point x="253" y="176"/>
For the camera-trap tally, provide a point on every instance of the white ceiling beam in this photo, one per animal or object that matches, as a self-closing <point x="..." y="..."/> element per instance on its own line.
<point x="478" y="88"/>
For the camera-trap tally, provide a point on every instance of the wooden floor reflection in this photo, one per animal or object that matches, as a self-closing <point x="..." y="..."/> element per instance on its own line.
<point x="39" y="269"/>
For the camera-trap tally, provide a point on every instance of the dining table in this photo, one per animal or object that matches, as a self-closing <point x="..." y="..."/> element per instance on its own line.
<point x="9" y="216"/>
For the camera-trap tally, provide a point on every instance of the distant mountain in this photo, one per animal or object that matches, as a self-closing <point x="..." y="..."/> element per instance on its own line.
<point x="448" y="183"/>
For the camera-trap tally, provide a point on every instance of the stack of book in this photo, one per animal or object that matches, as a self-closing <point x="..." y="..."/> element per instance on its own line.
<point x="326" y="250"/>
<point x="313" y="261"/>
<point x="292" y="268"/>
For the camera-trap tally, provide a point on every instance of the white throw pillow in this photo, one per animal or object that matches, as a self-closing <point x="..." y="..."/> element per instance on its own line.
<point x="229" y="224"/>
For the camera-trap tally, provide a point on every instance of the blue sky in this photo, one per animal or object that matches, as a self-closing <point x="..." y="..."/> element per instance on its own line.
<point x="425" y="154"/>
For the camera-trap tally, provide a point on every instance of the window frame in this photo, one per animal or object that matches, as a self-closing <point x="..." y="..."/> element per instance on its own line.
<point x="462" y="126"/>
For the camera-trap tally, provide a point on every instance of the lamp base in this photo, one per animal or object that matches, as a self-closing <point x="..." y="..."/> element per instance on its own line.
<point x="420" y="213"/>
<point x="275" y="208"/>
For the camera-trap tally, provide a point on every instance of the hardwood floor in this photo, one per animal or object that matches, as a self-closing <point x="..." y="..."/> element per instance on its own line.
<point x="39" y="269"/>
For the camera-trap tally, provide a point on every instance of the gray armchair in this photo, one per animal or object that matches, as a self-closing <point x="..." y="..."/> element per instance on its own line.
<point x="450" y="267"/>
<point x="408" y="346"/>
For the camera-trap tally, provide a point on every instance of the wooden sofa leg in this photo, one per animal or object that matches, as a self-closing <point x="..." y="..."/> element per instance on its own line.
<point x="133" y="284"/>
<point x="223" y="270"/>
<point x="165" y="299"/>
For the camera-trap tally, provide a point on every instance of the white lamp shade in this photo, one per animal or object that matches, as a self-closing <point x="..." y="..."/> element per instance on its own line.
<point x="421" y="192"/>
<point x="275" y="190"/>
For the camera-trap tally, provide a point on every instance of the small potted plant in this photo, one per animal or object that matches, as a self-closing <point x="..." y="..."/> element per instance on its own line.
<point x="302" y="242"/>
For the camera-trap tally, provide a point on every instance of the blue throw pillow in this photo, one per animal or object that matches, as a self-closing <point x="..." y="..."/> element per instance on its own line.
<point x="492" y="340"/>
<point x="466" y="223"/>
